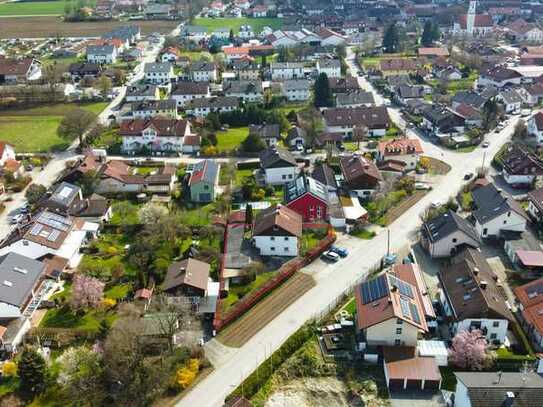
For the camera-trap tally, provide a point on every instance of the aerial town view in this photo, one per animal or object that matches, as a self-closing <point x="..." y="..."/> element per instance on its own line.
<point x="272" y="203"/>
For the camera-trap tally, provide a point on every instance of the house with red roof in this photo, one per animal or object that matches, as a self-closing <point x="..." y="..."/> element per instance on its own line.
<point x="529" y="299"/>
<point x="407" y="151"/>
<point x="482" y="25"/>
<point x="16" y="71"/>
<point x="8" y="163"/>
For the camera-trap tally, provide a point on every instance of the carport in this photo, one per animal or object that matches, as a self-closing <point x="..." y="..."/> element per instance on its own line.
<point x="405" y="370"/>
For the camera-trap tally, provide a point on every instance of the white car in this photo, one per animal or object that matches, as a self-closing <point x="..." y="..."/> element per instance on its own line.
<point x="16" y="218"/>
<point x="436" y="204"/>
<point x="330" y="256"/>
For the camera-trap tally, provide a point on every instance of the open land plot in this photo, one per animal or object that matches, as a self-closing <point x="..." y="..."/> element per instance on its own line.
<point x="231" y="139"/>
<point x="266" y="310"/>
<point x="51" y="26"/>
<point x="234" y="23"/>
<point x="35" y="129"/>
<point x="35" y="8"/>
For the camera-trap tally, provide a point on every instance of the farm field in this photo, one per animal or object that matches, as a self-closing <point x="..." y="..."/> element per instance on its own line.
<point x="40" y="27"/>
<point x="234" y="23"/>
<point x="35" y="8"/>
<point x="35" y="129"/>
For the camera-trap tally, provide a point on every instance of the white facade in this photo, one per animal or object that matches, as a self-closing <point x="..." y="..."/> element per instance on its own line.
<point x="518" y="179"/>
<point x="114" y="186"/>
<point x="347" y="131"/>
<point x="533" y="211"/>
<point x="484" y="81"/>
<point x="7" y="154"/>
<point x="203" y="111"/>
<point x="392" y="333"/>
<point x="277" y="245"/>
<point x="534" y="131"/>
<point x="279" y="176"/>
<point x="510" y="221"/>
<point x="182" y="100"/>
<point x="445" y="246"/>
<point x="246" y="96"/>
<point x="149" y="138"/>
<point x="159" y="77"/>
<point x="106" y="58"/>
<point x="461" y="396"/>
<point x="292" y="71"/>
<point x="330" y="71"/>
<point x="296" y="94"/>
<point x="144" y="114"/>
<point x="204" y="76"/>
<point x="410" y="160"/>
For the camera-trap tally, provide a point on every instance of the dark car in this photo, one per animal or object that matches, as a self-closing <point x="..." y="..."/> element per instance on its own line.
<point x="468" y="176"/>
<point x="341" y="251"/>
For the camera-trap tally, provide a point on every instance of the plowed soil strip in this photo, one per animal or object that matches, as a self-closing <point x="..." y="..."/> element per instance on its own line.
<point x="266" y="310"/>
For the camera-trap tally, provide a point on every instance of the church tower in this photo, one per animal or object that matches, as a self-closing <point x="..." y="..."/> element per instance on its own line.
<point x="470" y="21"/>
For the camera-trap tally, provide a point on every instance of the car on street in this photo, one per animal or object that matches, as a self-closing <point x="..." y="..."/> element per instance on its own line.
<point x="421" y="186"/>
<point x="436" y="204"/>
<point x="341" y="251"/>
<point x="16" y="218"/>
<point x="468" y="176"/>
<point x="330" y="256"/>
<point x="485" y="144"/>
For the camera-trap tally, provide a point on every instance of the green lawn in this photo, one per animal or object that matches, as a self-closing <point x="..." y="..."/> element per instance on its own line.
<point x="118" y="291"/>
<point x="350" y="307"/>
<point x="231" y="139"/>
<point x="288" y="107"/>
<point x="363" y="234"/>
<point x="310" y="239"/>
<point x="234" y="23"/>
<point x="200" y="215"/>
<point x="64" y="318"/>
<point x="125" y="213"/>
<point x="241" y="175"/>
<point x="239" y="291"/>
<point x="35" y="129"/>
<point x="37" y="8"/>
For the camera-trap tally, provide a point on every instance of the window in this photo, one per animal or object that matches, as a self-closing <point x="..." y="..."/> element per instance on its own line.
<point x="485" y="231"/>
<point x="286" y="238"/>
<point x="495" y="324"/>
<point x="399" y="321"/>
<point x="206" y="187"/>
<point x="272" y="238"/>
<point x="286" y="249"/>
<point x="398" y="331"/>
<point x="397" y="342"/>
<point x="455" y="240"/>
<point x="493" y="336"/>
<point x="284" y="177"/>
<point x="272" y="249"/>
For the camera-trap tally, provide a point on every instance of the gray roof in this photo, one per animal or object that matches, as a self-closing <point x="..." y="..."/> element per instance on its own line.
<point x="469" y="97"/>
<point x="100" y="49"/>
<point x="324" y="174"/>
<point x="195" y="29"/>
<point x="277" y="157"/>
<point x="489" y="389"/>
<point x="491" y="203"/>
<point x="304" y="184"/>
<point x="329" y="63"/>
<point x="204" y="171"/>
<point x="164" y="67"/>
<point x="243" y="87"/>
<point x="510" y="96"/>
<point x="214" y="102"/>
<point x="202" y="66"/>
<point x="410" y="91"/>
<point x="141" y="90"/>
<point x="18" y="276"/>
<point x="162" y="104"/>
<point x="296" y="84"/>
<point x="286" y="65"/>
<point x="447" y="223"/>
<point x="360" y="97"/>
<point x="65" y="194"/>
<point x="296" y="132"/>
<point x="266" y="131"/>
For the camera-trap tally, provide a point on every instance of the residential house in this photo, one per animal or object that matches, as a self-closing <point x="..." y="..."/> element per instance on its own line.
<point x="246" y="32"/>
<point x="160" y="73"/>
<point x="84" y="70"/>
<point x="203" y="181"/>
<point x="533" y="94"/>
<point x="331" y="67"/>
<point x="142" y="92"/>
<point x="246" y="70"/>
<point x="521" y="168"/>
<point x="307" y="197"/>
<point x="447" y="234"/>
<point x="347" y="84"/>
<point x="7" y="153"/>
<point x="276" y="231"/>
<point x="222" y="33"/>
<point x="330" y="38"/>
<point x="295" y="90"/>
<point x="521" y="249"/>
<point x="358" y="98"/>
<point x="61" y="199"/>
<point x="278" y="166"/>
<point x="407" y="151"/>
<point x="405" y="93"/>
<point x="187" y="278"/>
<point x="324" y="174"/>
<point x="247" y="91"/>
<point x="102" y="54"/>
<point x="170" y="54"/>
<point x="470" y="98"/>
<point x="195" y="33"/>
<point x="529" y="300"/>
<point x="49" y="234"/>
<point x="184" y="92"/>
<point x="442" y="120"/>
<point x="450" y="73"/>
<point x="535" y="204"/>
<point x="203" y="71"/>
<point x="346" y="120"/>
<point x="116" y="177"/>
<point x="156" y="134"/>
<point x="162" y="181"/>
<point x="360" y="174"/>
<point x="405" y="368"/>
<point x="389" y="309"/>
<point x="511" y="100"/>
<point x="433" y="52"/>
<point x="481" y="25"/>
<point x="289" y="39"/>
<point x="286" y="70"/>
<point x="153" y="108"/>
<point x="499" y="77"/>
<point x="485" y="389"/>
<point x="496" y="212"/>
<point x="400" y="66"/>
<point x="535" y="127"/>
<point x="296" y="136"/>
<point x="524" y="32"/>
<point x="269" y="133"/>
<point x="19" y="71"/>
<point x="471" y="299"/>
<point x="201" y="107"/>
<point x="24" y="287"/>
<point x="95" y="209"/>
<point x="157" y="11"/>
<point x="472" y="117"/>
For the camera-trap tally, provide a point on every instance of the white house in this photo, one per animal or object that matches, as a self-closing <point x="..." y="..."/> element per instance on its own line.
<point x="535" y="204"/>
<point x="140" y="93"/>
<point x="521" y="168"/>
<point x="296" y="89"/>
<point x="286" y="70"/>
<point x="331" y="67"/>
<point x="184" y="92"/>
<point x="160" y="73"/>
<point x="102" y="54"/>
<point x="248" y="91"/>
<point x="330" y="38"/>
<point x="7" y="152"/>
<point x="201" y="107"/>
<point x="15" y="71"/>
<point x="346" y="120"/>
<point x="496" y="212"/>
<point x="152" y="108"/>
<point x="157" y="134"/>
<point x="202" y="71"/>
<point x="535" y="127"/>
<point x="499" y="77"/>
<point x="446" y="234"/>
<point x="471" y="299"/>
<point x="277" y="231"/>
<point x="405" y="150"/>
<point x="278" y="166"/>
<point x="511" y="100"/>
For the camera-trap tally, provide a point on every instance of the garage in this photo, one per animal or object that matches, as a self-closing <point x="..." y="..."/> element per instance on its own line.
<point x="406" y="370"/>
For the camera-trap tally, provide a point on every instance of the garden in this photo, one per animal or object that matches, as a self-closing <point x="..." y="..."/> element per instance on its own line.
<point x="257" y="24"/>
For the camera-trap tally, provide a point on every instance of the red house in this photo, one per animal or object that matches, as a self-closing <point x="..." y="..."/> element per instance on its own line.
<point x="308" y="197"/>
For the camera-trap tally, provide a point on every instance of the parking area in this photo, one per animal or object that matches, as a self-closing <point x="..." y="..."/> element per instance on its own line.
<point x="417" y="399"/>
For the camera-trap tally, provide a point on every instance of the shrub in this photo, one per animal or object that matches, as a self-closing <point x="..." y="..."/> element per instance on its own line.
<point x="186" y="375"/>
<point x="9" y="369"/>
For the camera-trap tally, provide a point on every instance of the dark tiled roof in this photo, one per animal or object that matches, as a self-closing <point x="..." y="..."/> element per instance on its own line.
<point x="324" y="174"/>
<point x="446" y="224"/>
<point x="375" y="117"/>
<point x="274" y="156"/>
<point x="491" y="202"/>
<point x="305" y="185"/>
<point x="191" y="272"/>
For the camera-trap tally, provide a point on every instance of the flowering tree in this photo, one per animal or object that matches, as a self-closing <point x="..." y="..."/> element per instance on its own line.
<point x="86" y="292"/>
<point x="469" y="350"/>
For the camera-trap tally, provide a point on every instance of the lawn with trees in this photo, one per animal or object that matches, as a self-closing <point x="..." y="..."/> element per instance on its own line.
<point x="235" y="23"/>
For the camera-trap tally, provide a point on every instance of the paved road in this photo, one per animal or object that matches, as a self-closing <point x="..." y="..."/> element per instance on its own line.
<point x="333" y="280"/>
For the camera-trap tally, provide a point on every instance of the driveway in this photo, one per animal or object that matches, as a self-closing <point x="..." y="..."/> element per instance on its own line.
<point x="417" y="399"/>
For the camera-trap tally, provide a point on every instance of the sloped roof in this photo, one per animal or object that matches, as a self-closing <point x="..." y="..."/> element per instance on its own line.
<point x="491" y="202"/>
<point x="446" y="224"/>
<point x="191" y="272"/>
<point x="400" y="147"/>
<point x="305" y="185"/>
<point x="278" y="216"/>
<point x="204" y="171"/>
<point x="481" y="20"/>
<point x="164" y="126"/>
<point x="272" y="156"/>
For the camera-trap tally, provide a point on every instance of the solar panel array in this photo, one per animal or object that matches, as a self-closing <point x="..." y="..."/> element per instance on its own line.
<point x="53" y="235"/>
<point x="414" y="313"/>
<point x="403" y="287"/>
<point x="55" y="221"/>
<point x="36" y="229"/>
<point x="405" y="307"/>
<point x="374" y="289"/>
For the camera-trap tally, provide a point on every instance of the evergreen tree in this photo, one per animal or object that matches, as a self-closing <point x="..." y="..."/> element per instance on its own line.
<point x="249" y="214"/>
<point x="253" y="144"/>
<point x="427" y="34"/>
<point x="32" y="372"/>
<point x="490" y="114"/>
<point x="436" y="32"/>
<point x="323" y="93"/>
<point x="391" y="39"/>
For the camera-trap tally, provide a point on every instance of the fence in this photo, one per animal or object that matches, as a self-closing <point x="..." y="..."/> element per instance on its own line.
<point x="285" y="272"/>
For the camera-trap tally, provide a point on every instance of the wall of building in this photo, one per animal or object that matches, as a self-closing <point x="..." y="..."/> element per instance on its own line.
<point x="277" y="176"/>
<point x="277" y="245"/>
<point x="385" y="333"/>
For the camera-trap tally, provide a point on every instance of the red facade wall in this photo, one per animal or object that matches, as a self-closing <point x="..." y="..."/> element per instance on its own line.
<point x="312" y="209"/>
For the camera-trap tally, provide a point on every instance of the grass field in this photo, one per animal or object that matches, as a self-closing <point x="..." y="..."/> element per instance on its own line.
<point x="51" y="26"/>
<point x="234" y="23"/>
<point x="35" y="8"/>
<point x="35" y="129"/>
<point x="231" y="139"/>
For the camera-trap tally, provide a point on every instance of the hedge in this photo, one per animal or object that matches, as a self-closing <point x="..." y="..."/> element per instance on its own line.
<point x="256" y="380"/>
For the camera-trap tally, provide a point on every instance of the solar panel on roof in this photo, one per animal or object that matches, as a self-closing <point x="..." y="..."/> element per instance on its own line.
<point x="36" y="230"/>
<point x="53" y="235"/>
<point x="374" y="289"/>
<point x="55" y="221"/>
<point x="414" y="313"/>
<point x="405" y="307"/>
<point x="403" y="287"/>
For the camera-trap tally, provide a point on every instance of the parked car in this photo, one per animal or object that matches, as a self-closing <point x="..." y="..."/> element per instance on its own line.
<point x="16" y="218"/>
<point x="485" y="144"/>
<point x="436" y="204"/>
<point x="330" y="256"/>
<point x="468" y="176"/>
<point x="525" y="112"/>
<point x="421" y="186"/>
<point x="341" y="251"/>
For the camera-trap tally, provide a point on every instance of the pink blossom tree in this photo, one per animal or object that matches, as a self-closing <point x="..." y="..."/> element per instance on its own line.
<point x="86" y="292"/>
<point x="469" y="350"/>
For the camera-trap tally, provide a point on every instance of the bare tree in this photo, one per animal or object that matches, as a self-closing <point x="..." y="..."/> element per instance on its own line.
<point x="172" y="315"/>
